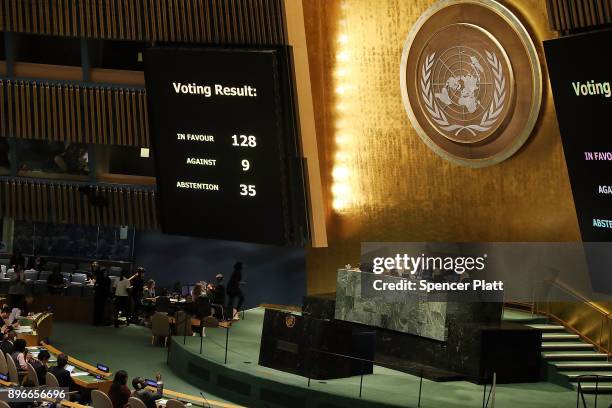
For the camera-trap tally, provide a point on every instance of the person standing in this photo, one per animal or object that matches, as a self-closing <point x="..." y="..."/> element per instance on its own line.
<point x="17" y="259"/>
<point x="122" y="299"/>
<point x="138" y="284"/>
<point x="17" y="287"/>
<point x="102" y="291"/>
<point x="234" y="290"/>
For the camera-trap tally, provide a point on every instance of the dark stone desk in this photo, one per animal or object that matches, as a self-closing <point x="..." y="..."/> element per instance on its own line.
<point x="477" y="344"/>
<point x="315" y="348"/>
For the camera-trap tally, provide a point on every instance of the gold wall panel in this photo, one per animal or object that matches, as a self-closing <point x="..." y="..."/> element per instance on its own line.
<point x="65" y="203"/>
<point x="393" y="187"/>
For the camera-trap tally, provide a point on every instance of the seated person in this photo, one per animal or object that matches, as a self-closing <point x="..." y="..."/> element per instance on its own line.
<point x="41" y="367"/>
<point x="19" y="354"/>
<point x="8" y="344"/>
<point x="36" y="263"/>
<point x="218" y="297"/>
<point x="55" y="281"/>
<point x="19" y="310"/>
<point x="4" y="326"/>
<point x="63" y="376"/>
<point x="147" y="396"/>
<point x="119" y="392"/>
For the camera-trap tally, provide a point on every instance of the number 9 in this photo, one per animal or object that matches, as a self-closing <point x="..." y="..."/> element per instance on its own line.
<point x="246" y="165"/>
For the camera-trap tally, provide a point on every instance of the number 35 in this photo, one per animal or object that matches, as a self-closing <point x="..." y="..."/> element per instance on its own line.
<point x="248" y="190"/>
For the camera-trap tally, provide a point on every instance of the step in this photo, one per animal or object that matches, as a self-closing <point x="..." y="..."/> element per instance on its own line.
<point x="589" y="366"/>
<point x="566" y="345"/>
<point x="573" y="355"/>
<point x="559" y="336"/>
<point x="606" y="376"/>
<point x="547" y="327"/>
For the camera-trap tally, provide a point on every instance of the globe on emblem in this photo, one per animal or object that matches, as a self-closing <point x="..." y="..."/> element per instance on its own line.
<point x="471" y="81"/>
<point x="465" y="83"/>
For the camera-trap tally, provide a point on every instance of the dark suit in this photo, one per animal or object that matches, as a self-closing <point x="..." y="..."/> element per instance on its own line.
<point x="63" y="377"/>
<point x="41" y="372"/>
<point x="6" y="347"/>
<point x="149" y="398"/>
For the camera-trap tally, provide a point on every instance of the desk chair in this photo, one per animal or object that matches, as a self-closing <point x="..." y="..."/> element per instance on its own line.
<point x="115" y="271"/>
<point x="160" y="327"/>
<point x="174" y="404"/>
<point x="13" y="374"/>
<point x="78" y="279"/>
<point x="31" y="275"/>
<point x="51" y="380"/>
<point x="100" y="400"/>
<point x="183" y="324"/>
<point x="136" y="403"/>
<point x="3" y="366"/>
<point x="163" y="304"/>
<point x="43" y="276"/>
<point x="32" y="377"/>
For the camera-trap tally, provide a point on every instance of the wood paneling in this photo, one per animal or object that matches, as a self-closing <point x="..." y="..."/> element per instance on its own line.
<point x="67" y="203"/>
<point x="73" y="112"/>
<point x="568" y="15"/>
<point x="194" y="21"/>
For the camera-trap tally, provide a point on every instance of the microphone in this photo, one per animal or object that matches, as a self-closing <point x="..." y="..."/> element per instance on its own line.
<point x="205" y="399"/>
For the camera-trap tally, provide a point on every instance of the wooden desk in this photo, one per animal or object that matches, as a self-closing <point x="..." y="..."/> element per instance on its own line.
<point x="195" y="400"/>
<point x="41" y="326"/>
<point x="90" y="380"/>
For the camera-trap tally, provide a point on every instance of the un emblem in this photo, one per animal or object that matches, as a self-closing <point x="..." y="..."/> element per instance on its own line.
<point x="459" y="81"/>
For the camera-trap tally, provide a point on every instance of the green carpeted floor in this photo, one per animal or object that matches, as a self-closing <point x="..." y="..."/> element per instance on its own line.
<point x="130" y="349"/>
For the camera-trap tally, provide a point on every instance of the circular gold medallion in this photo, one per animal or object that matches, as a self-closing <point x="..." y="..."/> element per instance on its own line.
<point x="471" y="81"/>
<point x="290" y="321"/>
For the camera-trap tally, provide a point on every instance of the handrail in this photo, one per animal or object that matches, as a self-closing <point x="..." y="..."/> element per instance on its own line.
<point x="580" y="393"/>
<point x="562" y="285"/>
<point x="605" y="314"/>
<point x="478" y="378"/>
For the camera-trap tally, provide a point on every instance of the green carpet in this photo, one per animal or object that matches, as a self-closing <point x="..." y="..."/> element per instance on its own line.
<point x="130" y="349"/>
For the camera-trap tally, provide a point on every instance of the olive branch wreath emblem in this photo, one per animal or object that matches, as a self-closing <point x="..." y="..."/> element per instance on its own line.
<point x="490" y="115"/>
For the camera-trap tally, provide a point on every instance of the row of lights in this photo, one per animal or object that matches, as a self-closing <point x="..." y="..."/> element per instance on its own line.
<point x="341" y="190"/>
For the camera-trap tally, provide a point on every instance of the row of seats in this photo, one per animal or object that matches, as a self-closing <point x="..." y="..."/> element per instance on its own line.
<point x="75" y="279"/>
<point x="68" y="267"/>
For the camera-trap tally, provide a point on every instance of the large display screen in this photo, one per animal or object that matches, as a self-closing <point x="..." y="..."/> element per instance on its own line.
<point x="224" y="138"/>
<point x="580" y="72"/>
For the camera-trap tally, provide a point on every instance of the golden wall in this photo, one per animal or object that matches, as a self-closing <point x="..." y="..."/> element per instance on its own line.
<point x="381" y="182"/>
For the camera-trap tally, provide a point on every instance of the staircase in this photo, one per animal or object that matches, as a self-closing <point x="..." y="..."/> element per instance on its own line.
<point x="566" y="357"/>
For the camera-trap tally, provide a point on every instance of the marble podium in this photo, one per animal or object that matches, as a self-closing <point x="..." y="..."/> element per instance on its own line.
<point x="442" y="340"/>
<point x="316" y="348"/>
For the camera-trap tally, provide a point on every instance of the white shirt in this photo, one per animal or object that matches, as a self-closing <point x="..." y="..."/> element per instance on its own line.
<point x="15" y="315"/>
<point x="122" y="287"/>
